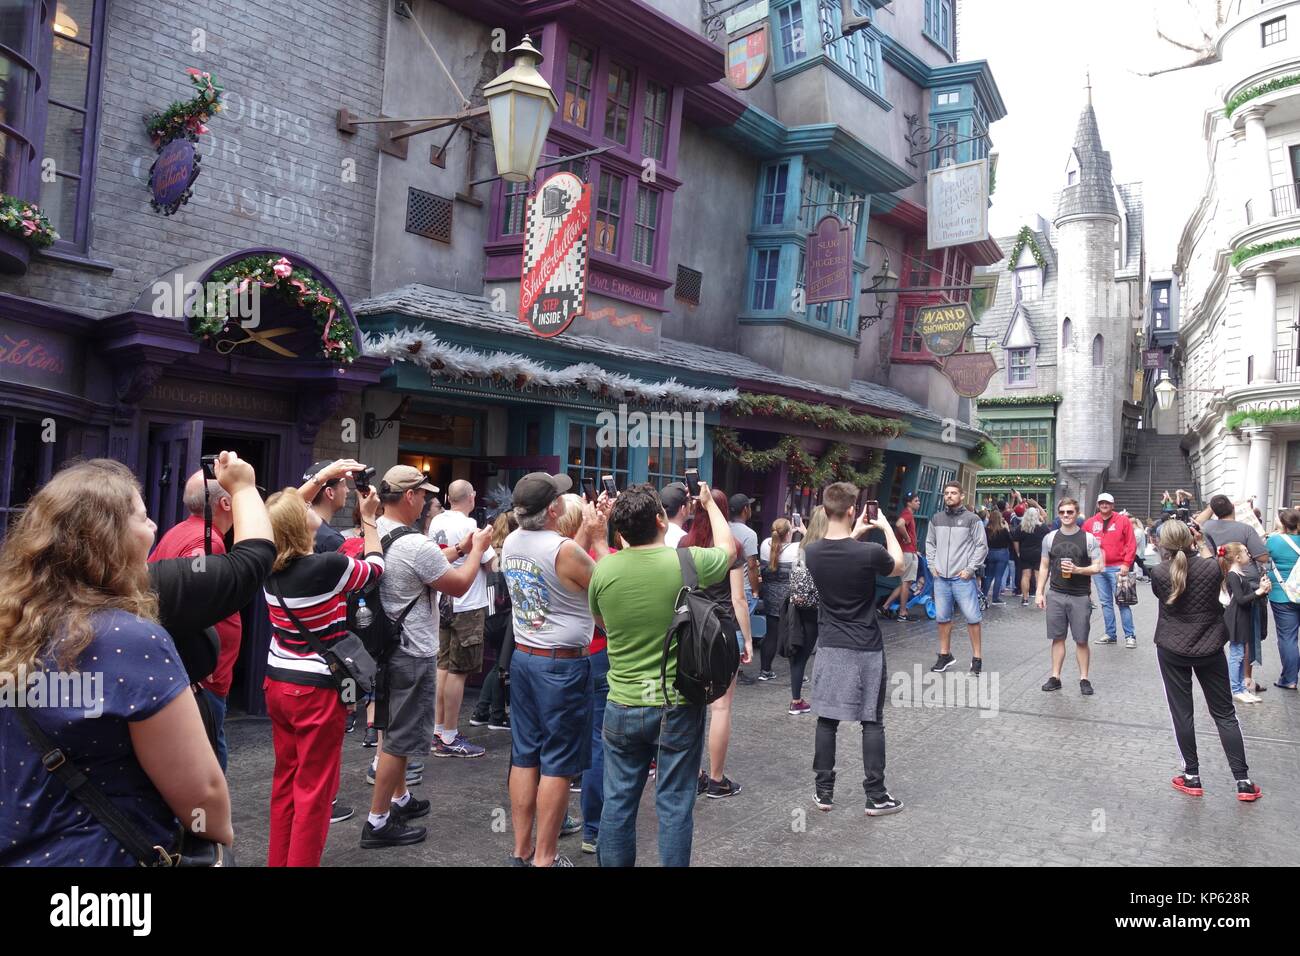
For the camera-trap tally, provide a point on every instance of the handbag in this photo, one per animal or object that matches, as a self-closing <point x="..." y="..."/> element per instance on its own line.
<point x="347" y="658"/>
<point x="1126" y="591"/>
<point x="191" y="850"/>
<point x="803" y="590"/>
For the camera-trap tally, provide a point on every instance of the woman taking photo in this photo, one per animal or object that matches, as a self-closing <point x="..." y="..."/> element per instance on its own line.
<point x="1189" y="639"/>
<point x="999" y="540"/>
<point x="1284" y="549"/>
<point x="77" y="602"/>
<point x="302" y="696"/>
<point x="776" y="556"/>
<point x="729" y="595"/>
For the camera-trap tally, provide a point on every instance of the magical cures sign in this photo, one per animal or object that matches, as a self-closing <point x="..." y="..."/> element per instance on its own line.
<point x="553" y="286"/>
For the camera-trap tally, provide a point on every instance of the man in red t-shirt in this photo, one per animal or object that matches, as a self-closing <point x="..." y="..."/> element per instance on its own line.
<point x="905" y="527"/>
<point x="185" y="540"/>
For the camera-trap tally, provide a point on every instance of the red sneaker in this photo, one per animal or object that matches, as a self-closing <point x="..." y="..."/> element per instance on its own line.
<point x="798" y="707"/>
<point x="1188" y="784"/>
<point x="1248" y="792"/>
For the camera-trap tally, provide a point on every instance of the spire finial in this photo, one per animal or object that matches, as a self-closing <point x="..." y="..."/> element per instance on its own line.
<point x="1088" y="84"/>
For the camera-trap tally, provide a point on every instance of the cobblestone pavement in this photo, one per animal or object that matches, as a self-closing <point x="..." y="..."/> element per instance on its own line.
<point x="1046" y="779"/>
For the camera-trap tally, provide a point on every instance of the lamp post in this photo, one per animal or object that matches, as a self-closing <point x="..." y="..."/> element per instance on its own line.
<point x="1166" y="390"/>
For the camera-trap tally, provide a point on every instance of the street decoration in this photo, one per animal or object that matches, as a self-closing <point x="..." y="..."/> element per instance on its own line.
<point x="957" y="204"/>
<point x="829" y="417"/>
<point x="26" y="221"/>
<point x="1025" y="238"/>
<point x="747" y="58"/>
<point x="970" y="372"/>
<point x="803" y="469"/>
<point x="173" y="132"/>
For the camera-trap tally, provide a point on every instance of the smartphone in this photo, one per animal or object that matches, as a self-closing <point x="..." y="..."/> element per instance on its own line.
<point x="611" y="489"/>
<point x="693" y="481"/>
<point x="589" y="487"/>
<point x="364" y="479"/>
<point x="796" y="520"/>
<point x="209" y="463"/>
<point x="873" y="509"/>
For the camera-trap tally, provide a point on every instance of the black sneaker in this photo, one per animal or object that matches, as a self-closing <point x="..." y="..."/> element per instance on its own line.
<point x="340" y="812"/>
<point x="1053" y="683"/>
<point x="372" y="737"/>
<point x="720" y="790"/>
<point x="767" y="675"/>
<point x="825" y="801"/>
<point x="976" y="665"/>
<point x="1085" y="687"/>
<point x="520" y="861"/>
<point x="942" y="663"/>
<point x="351" y="724"/>
<point x="1024" y="602"/>
<point x="883" y="806"/>
<point x="1248" y="792"/>
<point x="502" y="724"/>
<point x="477" y="721"/>
<point x="415" y="808"/>
<point x="394" y="832"/>
<point x="744" y="679"/>
<point x="701" y="786"/>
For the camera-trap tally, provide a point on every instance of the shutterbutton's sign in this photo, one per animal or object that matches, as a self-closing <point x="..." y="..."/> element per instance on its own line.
<point x="553" y="288"/>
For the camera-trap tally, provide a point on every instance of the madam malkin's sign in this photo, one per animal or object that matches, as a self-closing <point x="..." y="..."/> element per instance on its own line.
<point x="944" y="326"/>
<point x="553" y="287"/>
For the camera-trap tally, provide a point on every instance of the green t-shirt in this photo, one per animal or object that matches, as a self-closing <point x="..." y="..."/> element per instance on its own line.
<point x="633" y="591"/>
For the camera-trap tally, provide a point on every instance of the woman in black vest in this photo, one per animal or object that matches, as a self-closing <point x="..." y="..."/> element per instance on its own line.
<point x="1189" y="639"/>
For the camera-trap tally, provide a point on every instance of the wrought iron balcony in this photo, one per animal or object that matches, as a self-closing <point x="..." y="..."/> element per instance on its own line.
<point x="1285" y="201"/>
<point x="1287" y="369"/>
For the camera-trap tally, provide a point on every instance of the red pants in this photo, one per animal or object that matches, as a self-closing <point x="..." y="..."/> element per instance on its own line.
<point x="307" y="729"/>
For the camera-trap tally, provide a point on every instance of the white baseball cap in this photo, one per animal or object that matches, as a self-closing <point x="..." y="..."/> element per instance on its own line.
<point x="1105" y="496"/>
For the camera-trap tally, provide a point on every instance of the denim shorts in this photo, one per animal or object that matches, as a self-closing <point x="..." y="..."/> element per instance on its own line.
<point x="964" y="593"/>
<point x="550" y="714"/>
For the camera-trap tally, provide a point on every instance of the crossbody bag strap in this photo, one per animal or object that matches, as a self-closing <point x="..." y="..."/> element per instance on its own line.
<point x="312" y="640"/>
<point x="60" y="765"/>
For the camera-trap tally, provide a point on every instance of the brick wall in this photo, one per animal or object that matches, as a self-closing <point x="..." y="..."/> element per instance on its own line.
<point x="272" y="170"/>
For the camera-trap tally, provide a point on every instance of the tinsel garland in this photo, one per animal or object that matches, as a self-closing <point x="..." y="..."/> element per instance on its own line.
<point x="823" y="416"/>
<point x="1026" y="238"/>
<point x="426" y="350"/>
<point x="804" y="470"/>
<point x="338" y="331"/>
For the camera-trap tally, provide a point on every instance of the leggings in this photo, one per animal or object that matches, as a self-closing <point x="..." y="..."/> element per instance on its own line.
<point x="798" y="663"/>
<point x="1212" y="673"/>
<point x="767" y="649"/>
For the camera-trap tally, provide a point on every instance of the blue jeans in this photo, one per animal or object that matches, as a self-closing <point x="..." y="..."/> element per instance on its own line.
<point x="218" y="706"/>
<point x="593" y="778"/>
<point x="634" y="736"/>
<point x="997" y="561"/>
<point x="1106" y="598"/>
<point x="1237" y="667"/>
<point x="965" y="593"/>
<point x="1287" y="618"/>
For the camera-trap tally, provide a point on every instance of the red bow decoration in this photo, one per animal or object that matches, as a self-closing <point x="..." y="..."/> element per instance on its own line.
<point x="1223" y="551"/>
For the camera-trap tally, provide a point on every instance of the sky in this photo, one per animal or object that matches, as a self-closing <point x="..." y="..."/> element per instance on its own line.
<point x="1040" y="52"/>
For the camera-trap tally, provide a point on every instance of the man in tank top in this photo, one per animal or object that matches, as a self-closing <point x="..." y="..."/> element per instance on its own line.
<point x="1070" y="557"/>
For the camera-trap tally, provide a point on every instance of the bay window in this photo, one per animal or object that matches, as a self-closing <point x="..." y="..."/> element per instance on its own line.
<point x="766" y="267"/>
<point x="646" y="226"/>
<point x="654" y="135"/>
<point x="578" y="71"/>
<point x="609" y="211"/>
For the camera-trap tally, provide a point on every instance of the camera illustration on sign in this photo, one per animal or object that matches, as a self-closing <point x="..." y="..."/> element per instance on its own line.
<point x="747" y="58"/>
<point x="970" y="372"/>
<point x="553" y="287"/>
<point x="944" y="326"/>
<point x="827" y="273"/>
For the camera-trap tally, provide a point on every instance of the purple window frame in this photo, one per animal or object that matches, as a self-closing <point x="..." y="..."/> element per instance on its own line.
<point x="603" y="211"/>
<point x="1031" y="354"/>
<point x="26" y="130"/>
<point x="612" y="105"/>
<point x="651" y="119"/>
<point x="593" y="78"/>
<point x="654" y="224"/>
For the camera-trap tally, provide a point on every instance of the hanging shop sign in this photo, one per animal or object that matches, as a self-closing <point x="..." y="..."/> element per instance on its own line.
<point x="957" y="204"/>
<point x="743" y="18"/>
<point x="553" y="287"/>
<point x="747" y="58"/>
<point x="1153" y="358"/>
<point x="970" y="372"/>
<point x="172" y="174"/>
<point x="944" y="326"/>
<point x="828" y="272"/>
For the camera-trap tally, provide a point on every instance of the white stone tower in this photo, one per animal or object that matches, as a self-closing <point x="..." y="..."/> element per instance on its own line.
<point x="1090" y="325"/>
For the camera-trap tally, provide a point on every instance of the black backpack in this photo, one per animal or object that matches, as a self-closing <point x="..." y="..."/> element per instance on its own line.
<point x="383" y="633"/>
<point x="708" y="655"/>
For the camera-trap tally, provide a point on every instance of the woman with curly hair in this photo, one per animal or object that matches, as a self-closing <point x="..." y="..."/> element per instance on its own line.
<point x="77" y="604"/>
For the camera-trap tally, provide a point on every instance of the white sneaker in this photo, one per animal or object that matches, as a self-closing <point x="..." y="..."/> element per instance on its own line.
<point x="1246" y="698"/>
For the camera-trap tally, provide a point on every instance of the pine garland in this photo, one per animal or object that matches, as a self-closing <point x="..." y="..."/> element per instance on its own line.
<point x="1267" y="416"/>
<point x="1245" y="96"/>
<point x="338" y="329"/>
<point x="26" y="221"/>
<point x="804" y="470"/>
<point x="1249" y="252"/>
<point x="1019" y="400"/>
<point x="1026" y="238"/>
<point x="987" y="455"/>
<point x="1018" y="481"/>
<point x="823" y="416"/>
<point x="186" y="117"/>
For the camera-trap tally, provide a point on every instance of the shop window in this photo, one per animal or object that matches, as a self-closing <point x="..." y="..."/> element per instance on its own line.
<point x="618" y="104"/>
<point x="609" y="211"/>
<point x="938" y="25"/>
<point x="654" y="133"/>
<point x="1025" y="445"/>
<point x="775" y="182"/>
<point x="790" y="32"/>
<point x="666" y="464"/>
<point x="26" y="463"/>
<point x="588" y="461"/>
<point x="646" y="226"/>
<point x="577" y="84"/>
<point x="767" y="264"/>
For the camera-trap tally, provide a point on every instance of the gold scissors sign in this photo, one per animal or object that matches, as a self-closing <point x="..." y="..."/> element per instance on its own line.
<point x="226" y="346"/>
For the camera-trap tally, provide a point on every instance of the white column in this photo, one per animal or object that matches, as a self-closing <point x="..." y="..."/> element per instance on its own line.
<point x="1261" y="448"/>
<point x="1258" y="171"/>
<point x="1264" y="340"/>
<point x="1238" y="449"/>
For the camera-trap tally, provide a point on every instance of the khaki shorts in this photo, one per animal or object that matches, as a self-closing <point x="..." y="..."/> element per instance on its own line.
<point x="910" y="565"/>
<point x="460" y="642"/>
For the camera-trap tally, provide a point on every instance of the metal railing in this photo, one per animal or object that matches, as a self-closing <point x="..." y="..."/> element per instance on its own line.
<point x="1286" y="199"/>
<point x="1287" y="369"/>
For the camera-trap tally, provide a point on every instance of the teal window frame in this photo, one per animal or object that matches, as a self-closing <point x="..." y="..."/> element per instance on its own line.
<point x="767" y="259"/>
<point x="594" y="461"/>
<point x="937" y="24"/>
<point x="774" y="194"/>
<point x="858" y="54"/>
<point x="794" y="10"/>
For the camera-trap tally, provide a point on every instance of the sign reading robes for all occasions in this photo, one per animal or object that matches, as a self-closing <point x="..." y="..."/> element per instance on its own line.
<point x="553" y="287"/>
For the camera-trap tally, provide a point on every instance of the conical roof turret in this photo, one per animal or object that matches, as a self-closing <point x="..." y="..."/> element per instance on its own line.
<point x="1093" y="192"/>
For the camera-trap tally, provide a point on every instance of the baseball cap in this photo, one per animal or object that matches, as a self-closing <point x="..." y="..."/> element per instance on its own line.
<point x="1020" y="509"/>
<point x="316" y="469"/>
<point x="535" y="490"/>
<point x="673" y="496"/>
<point x="404" y="478"/>
<point x="739" y="503"/>
<point x="1105" y="496"/>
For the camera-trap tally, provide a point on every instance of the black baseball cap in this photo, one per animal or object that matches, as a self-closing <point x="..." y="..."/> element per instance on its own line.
<point x="673" y="496"/>
<point x="535" y="490"/>
<point x="739" y="503"/>
<point x="316" y="469"/>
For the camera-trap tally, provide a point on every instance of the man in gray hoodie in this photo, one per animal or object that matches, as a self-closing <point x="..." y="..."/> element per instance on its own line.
<point x="955" y="545"/>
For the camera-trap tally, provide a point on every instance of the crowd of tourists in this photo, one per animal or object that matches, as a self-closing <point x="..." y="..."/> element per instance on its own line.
<point x="618" y="629"/>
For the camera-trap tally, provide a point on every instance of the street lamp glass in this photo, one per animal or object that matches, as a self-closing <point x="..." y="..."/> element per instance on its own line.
<point x="1165" y="394"/>
<point x="520" y="107"/>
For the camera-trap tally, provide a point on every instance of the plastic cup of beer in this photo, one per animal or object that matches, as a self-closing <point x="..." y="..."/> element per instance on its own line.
<point x="1066" y="568"/>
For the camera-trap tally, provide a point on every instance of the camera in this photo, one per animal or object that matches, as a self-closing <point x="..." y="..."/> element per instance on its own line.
<point x="1184" y="515"/>
<point x="364" y="479"/>
<point x="209" y="463"/>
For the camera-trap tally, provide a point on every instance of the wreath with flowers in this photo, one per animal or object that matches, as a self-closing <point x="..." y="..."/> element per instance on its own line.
<point x="184" y="119"/>
<point x="803" y="469"/>
<point x="26" y="221"/>
<point x="209" y="317"/>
